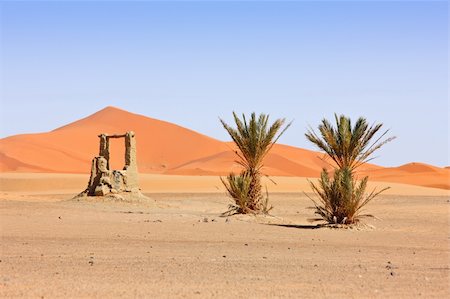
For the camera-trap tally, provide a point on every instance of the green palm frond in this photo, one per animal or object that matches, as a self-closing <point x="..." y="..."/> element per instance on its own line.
<point x="348" y="146"/>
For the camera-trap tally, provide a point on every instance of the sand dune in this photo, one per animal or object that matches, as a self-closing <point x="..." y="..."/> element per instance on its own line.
<point x="165" y="148"/>
<point x="225" y="162"/>
<point x="69" y="149"/>
<point x="413" y="173"/>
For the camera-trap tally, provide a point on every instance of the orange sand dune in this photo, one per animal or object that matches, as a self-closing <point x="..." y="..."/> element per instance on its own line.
<point x="283" y="160"/>
<point x="69" y="149"/>
<point x="166" y="148"/>
<point x="415" y="174"/>
<point x="223" y="163"/>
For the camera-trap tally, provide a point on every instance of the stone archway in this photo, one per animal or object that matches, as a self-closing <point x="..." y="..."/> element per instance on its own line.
<point x="108" y="182"/>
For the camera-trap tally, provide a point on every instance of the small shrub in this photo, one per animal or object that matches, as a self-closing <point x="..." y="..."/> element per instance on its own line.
<point x="341" y="198"/>
<point x="239" y="188"/>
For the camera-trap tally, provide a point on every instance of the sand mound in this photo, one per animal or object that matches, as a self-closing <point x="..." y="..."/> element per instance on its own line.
<point x="122" y="197"/>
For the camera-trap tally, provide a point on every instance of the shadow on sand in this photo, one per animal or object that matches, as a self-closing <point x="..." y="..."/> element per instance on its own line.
<point x="299" y="226"/>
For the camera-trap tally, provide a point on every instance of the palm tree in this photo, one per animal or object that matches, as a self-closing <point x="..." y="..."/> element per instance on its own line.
<point x="254" y="139"/>
<point x="341" y="198"/>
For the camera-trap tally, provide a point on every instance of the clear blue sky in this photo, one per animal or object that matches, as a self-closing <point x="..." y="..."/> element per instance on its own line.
<point x="192" y="62"/>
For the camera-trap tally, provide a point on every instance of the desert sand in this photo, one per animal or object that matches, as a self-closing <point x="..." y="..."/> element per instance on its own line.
<point x="64" y="183"/>
<point x="178" y="246"/>
<point x="166" y="148"/>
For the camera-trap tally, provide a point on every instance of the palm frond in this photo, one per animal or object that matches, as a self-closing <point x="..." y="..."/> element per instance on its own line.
<point x="348" y="146"/>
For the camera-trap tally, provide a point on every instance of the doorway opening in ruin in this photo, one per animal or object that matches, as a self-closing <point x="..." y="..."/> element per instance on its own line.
<point x="117" y="153"/>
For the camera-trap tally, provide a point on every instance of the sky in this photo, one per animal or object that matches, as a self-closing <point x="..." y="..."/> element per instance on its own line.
<point x="192" y="62"/>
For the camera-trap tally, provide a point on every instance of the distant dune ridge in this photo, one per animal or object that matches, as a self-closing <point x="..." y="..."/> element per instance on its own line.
<point x="166" y="148"/>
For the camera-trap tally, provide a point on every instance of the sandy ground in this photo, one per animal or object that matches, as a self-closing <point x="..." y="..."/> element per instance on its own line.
<point x="177" y="246"/>
<point x="21" y="184"/>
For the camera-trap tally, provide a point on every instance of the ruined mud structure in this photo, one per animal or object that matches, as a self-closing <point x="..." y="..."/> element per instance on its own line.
<point x="114" y="184"/>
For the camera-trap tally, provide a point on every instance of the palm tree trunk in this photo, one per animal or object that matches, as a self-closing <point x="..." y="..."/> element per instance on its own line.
<point x="255" y="190"/>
